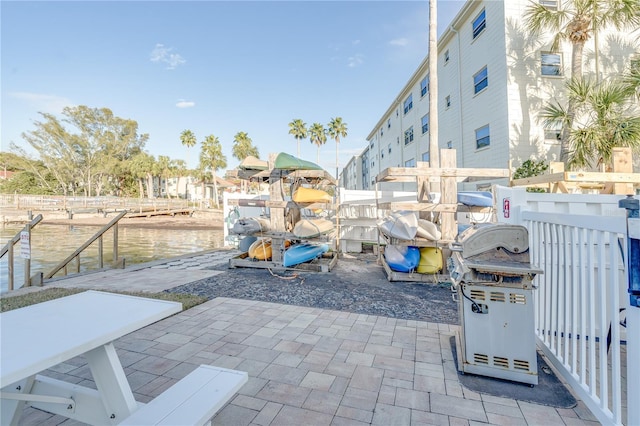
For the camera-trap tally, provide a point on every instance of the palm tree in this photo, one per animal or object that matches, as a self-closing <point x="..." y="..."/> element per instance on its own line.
<point x="318" y="136"/>
<point x="298" y="129"/>
<point x="180" y="168"/>
<point x="189" y="140"/>
<point x="213" y="159"/>
<point x="242" y="148"/>
<point x="575" y="21"/>
<point x="164" y="171"/>
<point x="337" y="129"/>
<point x="608" y="117"/>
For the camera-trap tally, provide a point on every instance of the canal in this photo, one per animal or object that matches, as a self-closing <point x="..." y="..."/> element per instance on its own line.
<point x="51" y="244"/>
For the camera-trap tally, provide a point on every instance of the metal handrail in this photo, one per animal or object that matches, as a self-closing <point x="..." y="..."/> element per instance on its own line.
<point x="97" y="236"/>
<point x="8" y="248"/>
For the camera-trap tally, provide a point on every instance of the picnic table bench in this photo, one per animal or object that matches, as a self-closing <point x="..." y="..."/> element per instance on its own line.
<point x="40" y="336"/>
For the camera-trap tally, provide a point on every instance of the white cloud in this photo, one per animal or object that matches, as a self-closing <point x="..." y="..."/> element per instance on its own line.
<point x="42" y="102"/>
<point x="163" y="54"/>
<point x="399" y="42"/>
<point x="355" y="60"/>
<point x="355" y="42"/>
<point x="185" y="104"/>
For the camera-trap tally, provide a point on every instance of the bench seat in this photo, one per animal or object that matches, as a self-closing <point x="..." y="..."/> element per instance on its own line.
<point x="193" y="400"/>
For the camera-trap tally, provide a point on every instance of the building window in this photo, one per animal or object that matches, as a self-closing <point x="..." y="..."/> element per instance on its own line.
<point x="479" y="24"/>
<point x="398" y="140"/>
<point x="553" y="134"/>
<point x="389" y="148"/>
<point x="447" y="101"/>
<point x="425" y="156"/>
<point x="482" y="137"/>
<point x="381" y="132"/>
<point x="424" y="86"/>
<point x="446" y="56"/>
<point x="425" y="124"/>
<point x="410" y="163"/>
<point x="388" y="123"/>
<point x="449" y="145"/>
<point x="549" y="4"/>
<point x="480" y="80"/>
<point x="408" y="135"/>
<point x="408" y="104"/>
<point x="551" y="63"/>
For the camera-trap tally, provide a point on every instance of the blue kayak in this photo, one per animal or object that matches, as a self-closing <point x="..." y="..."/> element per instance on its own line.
<point x="476" y="198"/>
<point x="402" y="258"/>
<point x="304" y="252"/>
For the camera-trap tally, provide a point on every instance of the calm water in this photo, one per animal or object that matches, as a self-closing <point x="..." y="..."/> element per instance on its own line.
<point x="51" y="244"/>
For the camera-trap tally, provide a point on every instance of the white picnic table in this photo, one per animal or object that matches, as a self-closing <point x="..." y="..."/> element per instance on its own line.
<point x="41" y="336"/>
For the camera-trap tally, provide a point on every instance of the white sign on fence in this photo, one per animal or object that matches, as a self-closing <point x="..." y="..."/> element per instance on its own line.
<point x="25" y="245"/>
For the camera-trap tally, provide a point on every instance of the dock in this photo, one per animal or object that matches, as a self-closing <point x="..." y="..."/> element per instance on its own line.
<point x="306" y="364"/>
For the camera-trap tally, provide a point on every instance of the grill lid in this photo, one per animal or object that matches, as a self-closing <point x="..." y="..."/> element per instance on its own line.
<point x="487" y="237"/>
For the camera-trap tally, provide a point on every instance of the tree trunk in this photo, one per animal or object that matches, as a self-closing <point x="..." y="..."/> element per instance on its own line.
<point x="215" y="190"/>
<point x="576" y="73"/>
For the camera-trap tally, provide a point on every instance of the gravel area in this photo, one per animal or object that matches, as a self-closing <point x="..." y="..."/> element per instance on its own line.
<point x="356" y="284"/>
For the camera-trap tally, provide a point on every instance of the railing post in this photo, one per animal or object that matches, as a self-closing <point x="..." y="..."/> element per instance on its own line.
<point x="633" y="308"/>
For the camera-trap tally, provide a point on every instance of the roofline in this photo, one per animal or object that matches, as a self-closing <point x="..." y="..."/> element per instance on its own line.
<point x="424" y="65"/>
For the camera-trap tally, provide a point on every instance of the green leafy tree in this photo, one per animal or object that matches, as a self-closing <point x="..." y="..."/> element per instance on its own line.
<point x="213" y="159"/>
<point x="142" y="169"/>
<point x="318" y="136"/>
<point x="82" y="150"/>
<point x="337" y="129"/>
<point x="298" y="129"/>
<point x="531" y="168"/>
<point x="577" y="21"/>
<point x="165" y="171"/>
<point x="608" y="117"/>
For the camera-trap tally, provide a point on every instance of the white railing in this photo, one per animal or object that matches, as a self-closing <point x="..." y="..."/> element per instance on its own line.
<point x="582" y="295"/>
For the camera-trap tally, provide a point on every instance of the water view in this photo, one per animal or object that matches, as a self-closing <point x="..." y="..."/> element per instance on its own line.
<point x="51" y="244"/>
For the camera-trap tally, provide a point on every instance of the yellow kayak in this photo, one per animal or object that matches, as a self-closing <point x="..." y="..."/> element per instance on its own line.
<point x="430" y="260"/>
<point x="261" y="249"/>
<point x="310" y="195"/>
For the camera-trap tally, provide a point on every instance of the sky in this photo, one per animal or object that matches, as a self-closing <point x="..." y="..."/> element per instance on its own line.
<point x="214" y="67"/>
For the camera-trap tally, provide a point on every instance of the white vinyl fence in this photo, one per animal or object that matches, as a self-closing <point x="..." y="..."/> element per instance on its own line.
<point x="583" y="315"/>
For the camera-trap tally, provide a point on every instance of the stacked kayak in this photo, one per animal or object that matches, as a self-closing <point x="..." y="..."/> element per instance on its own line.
<point x="261" y="249"/>
<point x="405" y="225"/>
<point x="402" y="258"/>
<point x="309" y="195"/>
<point x="430" y="260"/>
<point x="251" y="225"/>
<point x="304" y="252"/>
<point x="476" y="198"/>
<point x="286" y="161"/>
<point x="309" y="228"/>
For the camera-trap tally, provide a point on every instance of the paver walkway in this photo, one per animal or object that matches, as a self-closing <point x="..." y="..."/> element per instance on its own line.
<point x="309" y="366"/>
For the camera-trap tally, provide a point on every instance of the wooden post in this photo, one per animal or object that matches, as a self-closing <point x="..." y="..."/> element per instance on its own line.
<point x="275" y="194"/>
<point x="448" y="195"/>
<point x="623" y="163"/>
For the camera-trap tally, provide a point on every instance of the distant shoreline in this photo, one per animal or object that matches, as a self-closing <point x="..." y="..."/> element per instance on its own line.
<point x="201" y="219"/>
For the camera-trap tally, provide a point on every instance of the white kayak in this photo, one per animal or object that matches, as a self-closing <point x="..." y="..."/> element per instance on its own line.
<point x="250" y="225"/>
<point x="402" y="225"/>
<point x="309" y="228"/>
<point x="428" y="230"/>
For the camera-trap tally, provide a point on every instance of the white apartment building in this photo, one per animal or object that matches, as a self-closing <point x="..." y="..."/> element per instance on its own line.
<point x="494" y="77"/>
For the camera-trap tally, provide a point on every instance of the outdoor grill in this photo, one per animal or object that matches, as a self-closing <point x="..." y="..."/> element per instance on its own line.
<point x="493" y="279"/>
